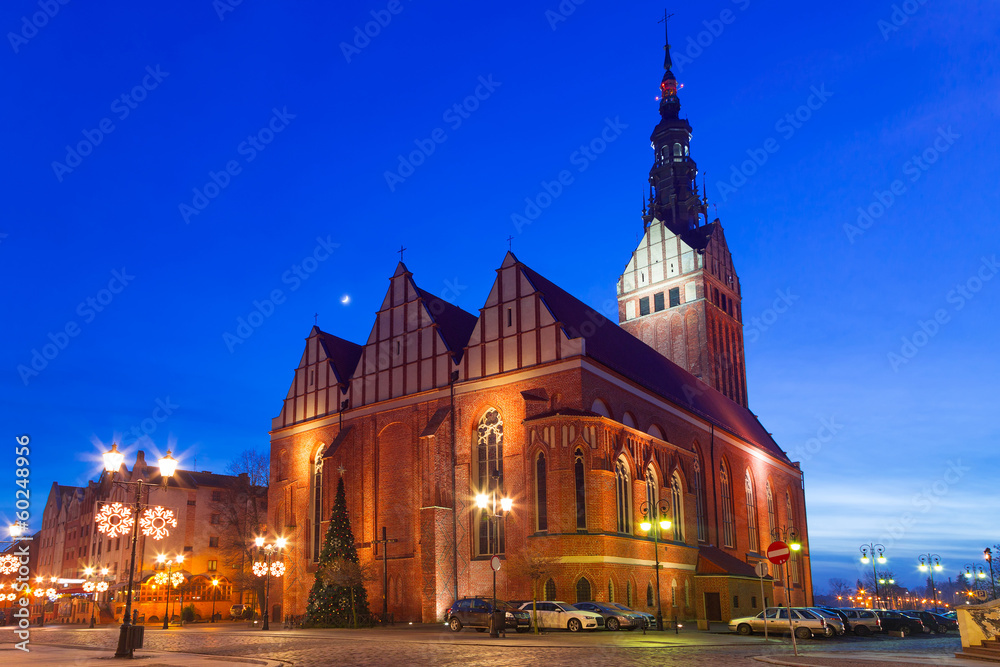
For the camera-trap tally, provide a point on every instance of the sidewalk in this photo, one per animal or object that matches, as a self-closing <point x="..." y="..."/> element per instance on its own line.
<point x="867" y="659"/>
<point x="59" y="656"/>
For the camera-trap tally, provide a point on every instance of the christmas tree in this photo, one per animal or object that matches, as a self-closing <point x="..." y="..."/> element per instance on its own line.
<point x="338" y="597"/>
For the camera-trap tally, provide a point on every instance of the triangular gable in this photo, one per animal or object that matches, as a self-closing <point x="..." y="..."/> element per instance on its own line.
<point x="323" y="374"/>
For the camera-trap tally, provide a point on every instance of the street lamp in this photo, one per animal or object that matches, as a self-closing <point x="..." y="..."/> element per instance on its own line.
<point x="930" y="563"/>
<point x="654" y="518"/>
<point x="129" y="638"/>
<point x="488" y="504"/>
<point x="215" y="589"/>
<point x="265" y="568"/>
<point x="974" y="572"/>
<point x="789" y="536"/>
<point x="874" y="554"/>
<point x="169" y="579"/>
<point x="89" y="587"/>
<point x="988" y="555"/>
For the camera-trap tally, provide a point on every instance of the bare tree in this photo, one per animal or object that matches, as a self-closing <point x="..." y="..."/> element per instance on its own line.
<point x="839" y="588"/>
<point x="243" y="516"/>
<point x="534" y="565"/>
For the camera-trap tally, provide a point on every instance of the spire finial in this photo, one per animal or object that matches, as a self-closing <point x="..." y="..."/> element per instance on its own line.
<point x="401" y="251"/>
<point x="667" y="63"/>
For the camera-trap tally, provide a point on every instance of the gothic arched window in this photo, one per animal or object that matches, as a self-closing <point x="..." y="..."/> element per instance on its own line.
<point x="581" y="491"/>
<point x="793" y="563"/>
<point x="649" y="595"/>
<point x="677" y="504"/>
<point x="728" y="524"/>
<point x="583" y="590"/>
<point x="751" y="497"/>
<point x="699" y="504"/>
<point x="550" y="590"/>
<point x="623" y="492"/>
<point x="772" y="519"/>
<point x="541" y="506"/>
<point x="489" y="479"/>
<point x="678" y="150"/>
<point x="611" y="590"/>
<point x="317" y="504"/>
<point x="652" y="492"/>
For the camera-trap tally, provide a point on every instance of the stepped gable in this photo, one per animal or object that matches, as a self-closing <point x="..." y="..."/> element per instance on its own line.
<point x="615" y="348"/>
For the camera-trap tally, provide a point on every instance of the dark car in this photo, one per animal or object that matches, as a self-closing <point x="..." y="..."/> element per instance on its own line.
<point x="477" y="613"/>
<point x="936" y="622"/>
<point x="842" y="616"/>
<point x="893" y="621"/>
<point x="614" y="618"/>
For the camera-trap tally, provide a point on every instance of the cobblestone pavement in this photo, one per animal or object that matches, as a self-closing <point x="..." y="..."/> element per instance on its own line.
<point x="429" y="645"/>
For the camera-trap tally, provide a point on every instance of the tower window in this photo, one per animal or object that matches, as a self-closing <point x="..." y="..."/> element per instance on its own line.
<point x="678" y="151"/>
<point x="675" y="297"/>
<point x="581" y="492"/>
<point x="510" y="316"/>
<point x="658" y="301"/>
<point x="644" y="306"/>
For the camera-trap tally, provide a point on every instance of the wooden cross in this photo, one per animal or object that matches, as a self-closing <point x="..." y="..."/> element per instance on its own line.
<point x="510" y="243"/>
<point x="316" y="319"/>
<point x="385" y="567"/>
<point x="400" y="251"/>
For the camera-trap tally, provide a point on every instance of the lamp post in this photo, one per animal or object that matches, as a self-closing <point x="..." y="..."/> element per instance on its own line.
<point x="89" y="587"/>
<point x="215" y="596"/>
<point x="875" y="554"/>
<point x="267" y="550"/>
<point x="988" y="555"/>
<point x="652" y="519"/>
<point x="973" y="573"/>
<point x="488" y="503"/>
<point x="789" y="536"/>
<point x="930" y="563"/>
<point x="113" y="460"/>
<point x="168" y="579"/>
<point x="887" y="581"/>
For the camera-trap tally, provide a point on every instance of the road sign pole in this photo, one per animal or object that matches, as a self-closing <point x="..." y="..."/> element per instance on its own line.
<point x="795" y="646"/>
<point x="761" y="571"/>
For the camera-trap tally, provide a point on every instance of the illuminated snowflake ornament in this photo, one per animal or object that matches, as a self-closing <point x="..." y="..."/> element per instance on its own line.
<point x="88" y="587"/>
<point x="155" y="521"/>
<point x="115" y="520"/>
<point x="39" y="592"/>
<point x="260" y="568"/>
<point x="277" y="568"/>
<point x="11" y="596"/>
<point x="177" y="578"/>
<point x="8" y="564"/>
<point x="102" y="586"/>
<point x="161" y="578"/>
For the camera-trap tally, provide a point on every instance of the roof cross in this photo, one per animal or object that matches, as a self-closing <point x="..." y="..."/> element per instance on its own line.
<point x="401" y="251"/>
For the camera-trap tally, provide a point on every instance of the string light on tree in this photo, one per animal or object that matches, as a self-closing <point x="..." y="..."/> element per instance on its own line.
<point x="155" y="521"/>
<point x="114" y="520"/>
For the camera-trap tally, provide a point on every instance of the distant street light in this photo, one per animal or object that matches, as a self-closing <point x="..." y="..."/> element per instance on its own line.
<point x="875" y="554"/>
<point x="930" y="563"/>
<point x="988" y="555"/>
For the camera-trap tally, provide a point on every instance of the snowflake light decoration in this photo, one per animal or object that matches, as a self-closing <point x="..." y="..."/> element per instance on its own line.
<point x="260" y="568"/>
<point x="177" y="578"/>
<point x="11" y="596"/>
<point x="115" y="520"/>
<point x="277" y="568"/>
<point x="161" y="578"/>
<point x="39" y="592"/>
<point x="102" y="586"/>
<point x="8" y="564"/>
<point x="155" y="521"/>
<point x="88" y="587"/>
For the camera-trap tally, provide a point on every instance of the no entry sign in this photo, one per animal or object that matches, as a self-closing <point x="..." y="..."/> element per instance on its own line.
<point x="778" y="553"/>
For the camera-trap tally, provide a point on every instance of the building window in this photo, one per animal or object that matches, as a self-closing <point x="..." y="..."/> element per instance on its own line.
<point x="699" y="504"/>
<point x="649" y="595"/>
<point x="623" y="492"/>
<point x="581" y="492"/>
<point x="216" y="519"/>
<point x="677" y="502"/>
<point x="317" y="504"/>
<point x="728" y="525"/>
<point x="675" y="297"/>
<point x="628" y="594"/>
<point x="611" y="590"/>
<point x="772" y="519"/>
<point x="541" y="506"/>
<point x="550" y="590"/>
<point x="213" y="542"/>
<point x="736" y="601"/>
<point x="753" y="601"/>
<point x="652" y="493"/>
<point x="583" y="590"/>
<point x="213" y="565"/>
<point x="216" y="496"/>
<point x="489" y="446"/>
<point x="192" y="503"/>
<point x="754" y="533"/>
<point x="658" y="301"/>
<point x="644" y="306"/>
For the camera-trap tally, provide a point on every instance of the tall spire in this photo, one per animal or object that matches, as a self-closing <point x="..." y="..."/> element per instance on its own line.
<point x="670" y="105"/>
<point x="667" y="62"/>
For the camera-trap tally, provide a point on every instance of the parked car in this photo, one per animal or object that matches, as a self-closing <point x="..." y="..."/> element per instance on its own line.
<point x="893" y="621"/>
<point x="239" y="610"/>
<point x="614" y="618"/>
<point x="863" y="621"/>
<point x="806" y="624"/>
<point x="936" y="622"/>
<point x="648" y="619"/>
<point x="554" y="615"/>
<point x="841" y="615"/>
<point x="832" y="619"/>
<point x="476" y="612"/>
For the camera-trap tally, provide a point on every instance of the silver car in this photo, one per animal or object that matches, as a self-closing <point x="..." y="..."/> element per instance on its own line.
<point x="834" y="621"/>
<point x="805" y="623"/>
<point x="863" y="621"/>
<point x="648" y="619"/>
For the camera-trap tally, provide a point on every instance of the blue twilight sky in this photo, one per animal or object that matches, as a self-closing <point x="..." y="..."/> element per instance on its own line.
<point x="121" y="224"/>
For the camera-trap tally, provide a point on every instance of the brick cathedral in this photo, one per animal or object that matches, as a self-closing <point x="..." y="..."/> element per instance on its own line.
<point x="584" y="423"/>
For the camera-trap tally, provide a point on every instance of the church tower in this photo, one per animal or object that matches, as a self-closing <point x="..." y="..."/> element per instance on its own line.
<point x="680" y="293"/>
